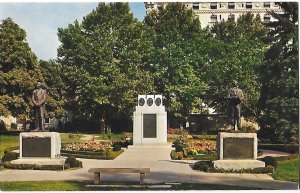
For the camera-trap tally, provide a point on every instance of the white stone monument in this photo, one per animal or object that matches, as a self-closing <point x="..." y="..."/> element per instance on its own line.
<point x="149" y="122"/>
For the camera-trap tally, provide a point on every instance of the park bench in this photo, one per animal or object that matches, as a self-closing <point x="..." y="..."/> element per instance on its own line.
<point x="97" y="172"/>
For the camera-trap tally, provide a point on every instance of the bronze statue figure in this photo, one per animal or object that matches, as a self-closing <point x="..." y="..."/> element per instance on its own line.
<point x="39" y="100"/>
<point x="235" y="96"/>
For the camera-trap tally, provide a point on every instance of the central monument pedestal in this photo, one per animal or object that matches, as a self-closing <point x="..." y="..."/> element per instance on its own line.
<point x="149" y="122"/>
<point x="237" y="151"/>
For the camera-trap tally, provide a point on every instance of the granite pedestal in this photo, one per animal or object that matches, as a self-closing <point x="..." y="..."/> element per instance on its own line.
<point x="41" y="148"/>
<point x="237" y="151"/>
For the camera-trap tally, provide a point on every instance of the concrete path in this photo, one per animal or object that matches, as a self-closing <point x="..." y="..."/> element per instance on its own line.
<point x="87" y="137"/>
<point x="162" y="170"/>
<point x="273" y="153"/>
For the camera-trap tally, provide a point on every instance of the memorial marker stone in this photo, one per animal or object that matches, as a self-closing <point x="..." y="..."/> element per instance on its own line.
<point x="149" y="121"/>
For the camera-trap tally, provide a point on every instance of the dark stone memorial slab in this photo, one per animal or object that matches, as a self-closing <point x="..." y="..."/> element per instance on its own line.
<point x="36" y="147"/>
<point x="238" y="148"/>
<point x="149" y="125"/>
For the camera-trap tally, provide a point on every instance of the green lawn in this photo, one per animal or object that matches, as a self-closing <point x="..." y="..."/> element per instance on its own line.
<point x="114" y="136"/>
<point x="70" y="138"/>
<point x="77" y="186"/>
<point x="287" y="170"/>
<point x="7" y="141"/>
<point x="42" y="186"/>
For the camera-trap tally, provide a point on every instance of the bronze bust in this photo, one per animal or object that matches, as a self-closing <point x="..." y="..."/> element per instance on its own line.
<point x="39" y="100"/>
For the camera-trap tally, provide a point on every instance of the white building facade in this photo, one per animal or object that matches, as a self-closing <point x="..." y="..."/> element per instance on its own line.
<point x="210" y="13"/>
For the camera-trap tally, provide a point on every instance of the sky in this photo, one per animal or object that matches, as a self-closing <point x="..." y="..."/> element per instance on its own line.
<point x="41" y="21"/>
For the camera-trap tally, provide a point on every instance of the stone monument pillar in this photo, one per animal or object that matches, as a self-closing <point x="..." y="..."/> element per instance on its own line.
<point x="150" y="121"/>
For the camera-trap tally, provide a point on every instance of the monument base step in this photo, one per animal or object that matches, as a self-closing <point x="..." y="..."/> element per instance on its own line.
<point x="39" y="161"/>
<point x="238" y="164"/>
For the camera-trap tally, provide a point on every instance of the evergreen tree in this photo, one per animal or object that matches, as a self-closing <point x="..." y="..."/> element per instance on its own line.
<point x="279" y="101"/>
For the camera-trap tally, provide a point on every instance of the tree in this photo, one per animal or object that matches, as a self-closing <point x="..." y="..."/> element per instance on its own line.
<point x="19" y="71"/>
<point x="173" y="58"/>
<point x="235" y="54"/>
<point x="279" y="101"/>
<point x="55" y="87"/>
<point x="103" y="61"/>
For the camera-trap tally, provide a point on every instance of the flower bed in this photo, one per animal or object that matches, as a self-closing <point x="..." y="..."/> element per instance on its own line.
<point x="94" y="146"/>
<point x="176" y="131"/>
<point x="201" y="146"/>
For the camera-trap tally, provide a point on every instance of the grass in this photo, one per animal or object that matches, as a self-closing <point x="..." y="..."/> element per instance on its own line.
<point x="42" y="186"/>
<point x="70" y="138"/>
<point x="114" y="136"/>
<point x="174" y="156"/>
<point x="7" y="141"/>
<point x="287" y="170"/>
<point x="80" y="186"/>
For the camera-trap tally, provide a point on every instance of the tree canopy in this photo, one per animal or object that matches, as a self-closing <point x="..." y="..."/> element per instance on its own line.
<point x="19" y="70"/>
<point x="103" y="59"/>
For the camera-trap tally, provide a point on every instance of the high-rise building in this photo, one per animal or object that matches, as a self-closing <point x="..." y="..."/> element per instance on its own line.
<point x="210" y="13"/>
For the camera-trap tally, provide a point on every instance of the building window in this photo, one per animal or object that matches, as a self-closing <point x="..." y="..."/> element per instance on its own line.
<point x="214" y="18"/>
<point x="213" y="5"/>
<point x="248" y="5"/>
<point x="267" y="18"/>
<point x="267" y="4"/>
<point x="47" y="120"/>
<point x="196" y="6"/>
<point x="231" y="5"/>
<point x="159" y="7"/>
<point x="231" y="16"/>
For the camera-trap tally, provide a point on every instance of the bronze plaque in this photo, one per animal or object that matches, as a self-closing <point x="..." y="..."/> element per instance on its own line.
<point x="36" y="147"/>
<point x="149" y="126"/>
<point x="238" y="148"/>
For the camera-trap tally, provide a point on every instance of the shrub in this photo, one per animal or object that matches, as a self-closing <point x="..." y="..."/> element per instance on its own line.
<point x="269" y="161"/>
<point x="116" y="147"/>
<point x="9" y="156"/>
<point x="202" y="165"/>
<point x="96" y="153"/>
<point x="260" y="170"/>
<point x="100" y="157"/>
<point x="13" y="126"/>
<point x="9" y="149"/>
<point x="178" y="146"/>
<point x="2" y="126"/>
<point x="290" y="148"/>
<point x="73" y="162"/>
<point x="8" y="165"/>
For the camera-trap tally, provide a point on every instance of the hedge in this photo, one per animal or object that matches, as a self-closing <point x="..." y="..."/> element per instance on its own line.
<point x="9" y="156"/>
<point x="86" y="156"/>
<point x="9" y="165"/>
<point x="98" y="153"/>
<point x="280" y="147"/>
<point x="73" y="162"/>
<point x="9" y="149"/>
<point x="207" y="166"/>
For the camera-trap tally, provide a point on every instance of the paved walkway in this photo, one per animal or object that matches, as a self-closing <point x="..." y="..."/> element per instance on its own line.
<point x="272" y="153"/>
<point x="162" y="170"/>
